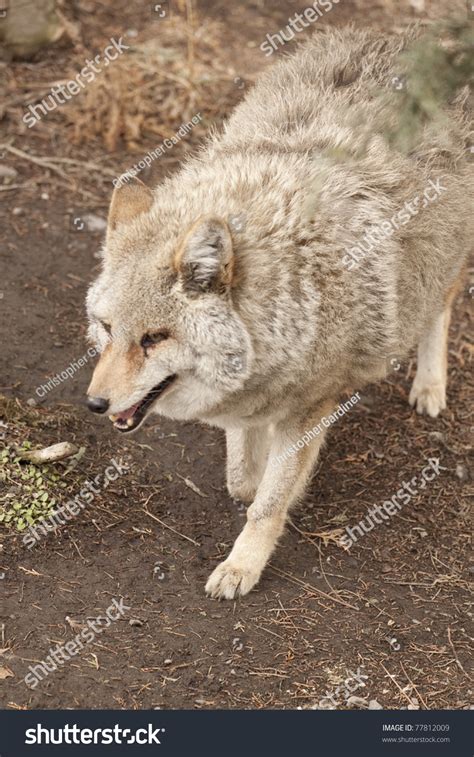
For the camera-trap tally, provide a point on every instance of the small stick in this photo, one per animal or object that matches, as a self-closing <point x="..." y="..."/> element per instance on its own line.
<point x="312" y="588"/>
<point x="421" y="698"/>
<point x="392" y="677"/>
<point x="38" y="161"/>
<point x="456" y="655"/>
<point x="51" y="162"/>
<point x="48" y="454"/>
<point x="9" y="187"/>
<point x="165" y="525"/>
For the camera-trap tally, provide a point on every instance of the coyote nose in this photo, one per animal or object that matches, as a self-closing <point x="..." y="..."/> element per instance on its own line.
<point x="97" y="404"/>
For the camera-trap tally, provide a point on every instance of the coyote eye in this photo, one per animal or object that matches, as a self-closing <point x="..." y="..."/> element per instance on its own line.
<point x="149" y="340"/>
<point x="107" y="327"/>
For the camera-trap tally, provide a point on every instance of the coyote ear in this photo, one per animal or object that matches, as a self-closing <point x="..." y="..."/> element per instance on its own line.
<point x="205" y="259"/>
<point x="129" y="201"/>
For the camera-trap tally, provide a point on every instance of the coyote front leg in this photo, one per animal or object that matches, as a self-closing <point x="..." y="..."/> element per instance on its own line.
<point x="282" y="483"/>
<point x="247" y="451"/>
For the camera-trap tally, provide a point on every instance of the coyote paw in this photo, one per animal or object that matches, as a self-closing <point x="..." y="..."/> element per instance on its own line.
<point x="428" y="399"/>
<point x="229" y="580"/>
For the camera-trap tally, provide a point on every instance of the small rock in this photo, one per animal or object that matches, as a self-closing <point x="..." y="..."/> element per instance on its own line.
<point x="367" y="403"/>
<point x="462" y="472"/>
<point x="44" y="196"/>
<point x="93" y="222"/>
<point x="135" y="622"/>
<point x="17" y="211"/>
<point x="357" y="702"/>
<point x="31" y="402"/>
<point x="168" y="661"/>
<point x="8" y="172"/>
<point x="374" y="705"/>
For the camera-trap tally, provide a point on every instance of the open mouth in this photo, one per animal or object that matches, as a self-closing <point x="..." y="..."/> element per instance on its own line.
<point x="130" y="419"/>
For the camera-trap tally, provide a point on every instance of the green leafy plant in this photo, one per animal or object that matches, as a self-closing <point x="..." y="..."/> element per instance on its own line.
<point x="29" y="492"/>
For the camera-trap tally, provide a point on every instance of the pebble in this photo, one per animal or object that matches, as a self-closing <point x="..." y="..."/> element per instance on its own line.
<point x="357" y="702"/>
<point x="94" y="222"/>
<point x="8" y="172"/>
<point x="418" y="5"/>
<point x="462" y="472"/>
<point x="374" y="705"/>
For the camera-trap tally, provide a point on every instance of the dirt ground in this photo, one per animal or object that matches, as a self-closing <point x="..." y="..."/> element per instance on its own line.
<point x="396" y="606"/>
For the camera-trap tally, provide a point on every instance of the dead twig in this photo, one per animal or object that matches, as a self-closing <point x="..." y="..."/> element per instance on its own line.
<point x="34" y="159"/>
<point x="392" y="678"/>
<point x="165" y="525"/>
<point x="456" y="655"/>
<point x="311" y="588"/>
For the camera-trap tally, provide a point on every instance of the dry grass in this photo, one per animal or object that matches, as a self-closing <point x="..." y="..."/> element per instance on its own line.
<point x="158" y="85"/>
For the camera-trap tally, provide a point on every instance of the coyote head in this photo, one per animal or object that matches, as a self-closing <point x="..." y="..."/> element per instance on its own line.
<point x="162" y="316"/>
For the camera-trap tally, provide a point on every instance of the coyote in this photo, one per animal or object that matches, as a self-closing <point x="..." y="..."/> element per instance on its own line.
<point x="229" y="294"/>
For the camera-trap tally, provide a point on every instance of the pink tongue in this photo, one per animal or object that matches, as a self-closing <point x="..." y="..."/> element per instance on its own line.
<point x="127" y="413"/>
